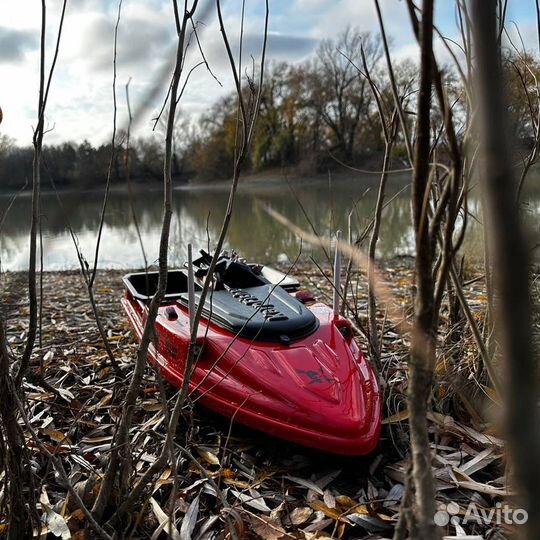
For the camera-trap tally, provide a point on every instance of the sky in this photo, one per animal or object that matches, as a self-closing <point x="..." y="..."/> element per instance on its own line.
<point x="81" y="101"/>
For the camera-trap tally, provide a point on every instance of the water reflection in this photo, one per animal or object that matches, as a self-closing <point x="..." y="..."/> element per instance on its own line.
<point x="198" y="214"/>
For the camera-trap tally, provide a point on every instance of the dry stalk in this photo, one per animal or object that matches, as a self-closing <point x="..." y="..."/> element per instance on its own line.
<point x="21" y="494"/>
<point x="510" y="259"/>
<point x="90" y="277"/>
<point x="59" y="466"/>
<point x="119" y="466"/>
<point x="248" y="115"/>
<point x="19" y="477"/>
<point x="39" y="132"/>
<point x="422" y="358"/>
<point x="247" y="118"/>
<point x="395" y="93"/>
<point x="360" y="258"/>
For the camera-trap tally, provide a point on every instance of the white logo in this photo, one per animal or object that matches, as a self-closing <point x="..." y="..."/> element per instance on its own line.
<point x="446" y="514"/>
<point x="501" y="514"/>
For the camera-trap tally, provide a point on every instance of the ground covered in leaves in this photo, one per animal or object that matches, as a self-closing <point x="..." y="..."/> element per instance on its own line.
<point x="273" y="490"/>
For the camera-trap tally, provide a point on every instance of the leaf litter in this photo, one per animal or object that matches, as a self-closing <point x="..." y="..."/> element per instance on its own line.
<point x="272" y="491"/>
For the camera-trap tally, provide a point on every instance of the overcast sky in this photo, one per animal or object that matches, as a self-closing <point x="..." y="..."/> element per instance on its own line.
<point x="80" y="103"/>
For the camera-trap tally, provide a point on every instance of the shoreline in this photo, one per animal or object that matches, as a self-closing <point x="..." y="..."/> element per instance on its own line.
<point x="405" y="260"/>
<point x="259" y="180"/>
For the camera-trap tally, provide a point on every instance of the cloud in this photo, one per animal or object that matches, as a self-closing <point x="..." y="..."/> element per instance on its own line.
<point x="143" y="38"/>
<point x="279" y="47"/>
<point x="80" y="103"/>
<point x="14" y="44"/>
<point x="290" y="47"/>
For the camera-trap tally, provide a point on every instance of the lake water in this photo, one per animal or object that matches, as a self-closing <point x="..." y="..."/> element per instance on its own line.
<point x="325" y="205"/>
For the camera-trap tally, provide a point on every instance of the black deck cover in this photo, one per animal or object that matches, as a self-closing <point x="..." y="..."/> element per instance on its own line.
<point x="262" y="313"/>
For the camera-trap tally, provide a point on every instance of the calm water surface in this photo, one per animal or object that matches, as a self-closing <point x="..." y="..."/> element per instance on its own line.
<point x="198" y="213"/>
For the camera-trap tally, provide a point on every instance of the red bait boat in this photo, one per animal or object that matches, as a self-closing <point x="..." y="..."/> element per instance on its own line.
<point x="271" y="357"/>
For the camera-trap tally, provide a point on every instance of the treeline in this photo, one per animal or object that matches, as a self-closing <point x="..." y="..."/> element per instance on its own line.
<point x="83" y="166"/>
<point x="313" y="115"/>
<point x="322" y="112"/>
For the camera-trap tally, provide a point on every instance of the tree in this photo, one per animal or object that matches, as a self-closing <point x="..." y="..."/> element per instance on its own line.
<point x="211" y="150"/>
<point x="150" y="157"/>
<point x="6" y="145"/>
<point x="283" y="122"/>
<point x="340" y="94"/>
<point x="522" y="73"/>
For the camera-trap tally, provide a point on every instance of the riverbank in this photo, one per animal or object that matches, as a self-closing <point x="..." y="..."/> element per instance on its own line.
<point x="276" y="491"/>
<point x="267" y="178"/>
<point x="293" y="175"/>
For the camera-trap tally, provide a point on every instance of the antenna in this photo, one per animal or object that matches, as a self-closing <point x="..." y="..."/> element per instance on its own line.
<point x="191" y="289"/>
<point x="337" y="275"/>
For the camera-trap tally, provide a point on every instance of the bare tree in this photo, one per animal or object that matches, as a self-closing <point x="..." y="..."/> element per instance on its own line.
<point x="339" y="93"/>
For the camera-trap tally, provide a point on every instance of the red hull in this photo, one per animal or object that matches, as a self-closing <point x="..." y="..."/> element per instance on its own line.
<point x="318" y="391"/>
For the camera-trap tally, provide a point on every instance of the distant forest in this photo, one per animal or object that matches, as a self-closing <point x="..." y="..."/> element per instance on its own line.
<point x="313" y="115"/>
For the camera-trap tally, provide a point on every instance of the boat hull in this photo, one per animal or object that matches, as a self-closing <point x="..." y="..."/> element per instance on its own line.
<point x="318" y="391"/>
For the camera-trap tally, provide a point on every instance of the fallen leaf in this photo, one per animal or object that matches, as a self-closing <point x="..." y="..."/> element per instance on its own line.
<point x="268" y="528"/>
<point x="208" y="457"/>
<point x="300" y="515"/>
<point x="329" y="512"/>
<point x="398" y="417"/>
<point x="190" y="520"/>
<point x="255" y="502"/>
<point x="163" y="520"/>
<point x="56" y="523"/>
<point x="57" y="436"/>
<point x="306" y="483"/>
